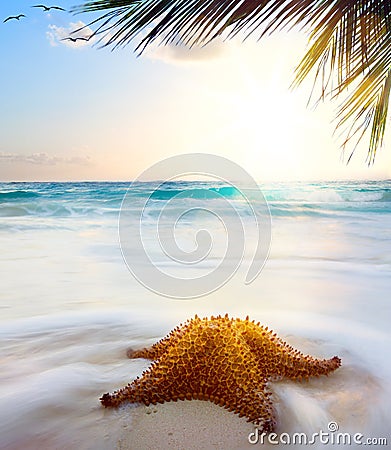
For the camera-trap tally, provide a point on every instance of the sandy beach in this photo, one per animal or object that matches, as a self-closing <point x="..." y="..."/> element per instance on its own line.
<point x="185" y="425"/>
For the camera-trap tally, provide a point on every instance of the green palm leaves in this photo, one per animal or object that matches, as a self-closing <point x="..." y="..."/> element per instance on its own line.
<point x="350" y="44"/>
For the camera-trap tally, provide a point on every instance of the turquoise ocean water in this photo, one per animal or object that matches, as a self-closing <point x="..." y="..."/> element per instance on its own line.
<point x="70" y="308"/>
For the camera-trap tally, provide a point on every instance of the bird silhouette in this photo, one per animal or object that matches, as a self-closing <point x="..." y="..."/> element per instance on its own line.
<point x="14" y="17"/>
<point x="75" y="39"/>
<point x="48" y="8"/>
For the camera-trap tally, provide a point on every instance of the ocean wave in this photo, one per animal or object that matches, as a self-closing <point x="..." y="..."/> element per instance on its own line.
<point x="279" y="209"/>
<point x="386" y="197"/>
<point x="13" y="211"/>
<point x="16" y="195"/>
<point x="54" y="210"/>
<point x="104" y="199"/>
<point x="330" y="196"/>
<point x="194" y="193"/>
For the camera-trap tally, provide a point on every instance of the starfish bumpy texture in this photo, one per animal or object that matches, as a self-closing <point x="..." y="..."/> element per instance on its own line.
<point x="227" y="361"/>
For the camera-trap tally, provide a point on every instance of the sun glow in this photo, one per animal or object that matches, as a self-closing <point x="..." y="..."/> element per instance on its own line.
<point x="263" y="126"/>
<point x="266" y="124"/>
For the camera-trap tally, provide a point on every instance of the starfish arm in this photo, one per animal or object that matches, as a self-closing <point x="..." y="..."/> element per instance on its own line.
<point x="153" y="387"/>
<point x="298" y="366"/>
<point x="145" y="353"/>
<point x="165" y="381"/>
<point x="160" y="348"/>
<point x="117" y="397"/>
<point x="276" y="357"/>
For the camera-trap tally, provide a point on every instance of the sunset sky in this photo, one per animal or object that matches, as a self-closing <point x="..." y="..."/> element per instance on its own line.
<point x="71" y="111"/>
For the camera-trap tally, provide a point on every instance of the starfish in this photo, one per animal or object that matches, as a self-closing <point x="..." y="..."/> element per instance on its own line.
<point x="227" y="361"/>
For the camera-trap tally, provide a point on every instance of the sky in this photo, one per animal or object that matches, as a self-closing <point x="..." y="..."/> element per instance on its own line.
<point x="74" y="111"/>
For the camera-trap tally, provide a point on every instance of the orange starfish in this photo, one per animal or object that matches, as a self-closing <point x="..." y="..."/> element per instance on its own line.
<point x="227" y="361"/>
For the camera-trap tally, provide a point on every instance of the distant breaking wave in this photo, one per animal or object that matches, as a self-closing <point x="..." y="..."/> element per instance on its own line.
<point x="201" y="194"/>
<point x="15" y="195"/>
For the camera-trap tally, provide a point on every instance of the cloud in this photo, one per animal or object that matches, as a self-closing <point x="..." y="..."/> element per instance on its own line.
<point x="43" y="159"/>
<point x="59" y="35"/>
<point x="180" y="54"/>
<point x="177" y="52"/>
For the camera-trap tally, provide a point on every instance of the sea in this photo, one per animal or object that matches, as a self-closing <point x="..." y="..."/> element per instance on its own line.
<point x="71" y="304"/>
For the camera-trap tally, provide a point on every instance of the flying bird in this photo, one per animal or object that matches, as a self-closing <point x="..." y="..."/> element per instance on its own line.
<point x="14" y="17"/>
<point x="75" y="39"/>
<point x="48" y="8"/>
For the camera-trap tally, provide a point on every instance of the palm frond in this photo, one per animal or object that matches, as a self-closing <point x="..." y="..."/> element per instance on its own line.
<point x="355" y="46"/>
<point x="350" y="43"/>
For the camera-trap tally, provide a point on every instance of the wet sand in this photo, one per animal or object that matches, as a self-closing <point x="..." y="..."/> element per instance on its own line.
<point x="185" y="425"/>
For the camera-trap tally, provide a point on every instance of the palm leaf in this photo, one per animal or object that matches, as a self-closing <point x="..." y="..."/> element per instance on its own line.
<point x="350" y="43"/>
